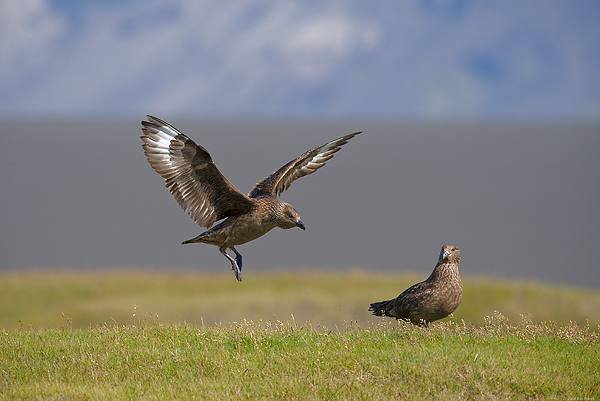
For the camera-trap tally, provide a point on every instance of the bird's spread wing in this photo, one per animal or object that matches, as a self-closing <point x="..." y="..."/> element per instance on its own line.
<point x="307" y="163"/>
<point x="190" y="174"/>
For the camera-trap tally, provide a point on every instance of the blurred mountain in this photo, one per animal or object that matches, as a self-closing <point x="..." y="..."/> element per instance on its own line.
<point x="520" y="200"/>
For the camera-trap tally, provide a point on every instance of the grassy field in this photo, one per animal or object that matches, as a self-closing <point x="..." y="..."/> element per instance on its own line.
<point x="148" y="335"/>
<point x="42" y="299"/>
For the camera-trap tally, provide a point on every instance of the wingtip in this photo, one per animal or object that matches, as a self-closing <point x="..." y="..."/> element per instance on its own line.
<point x="149" y="120"/>
<point x="153" y="119"/>
<point x="346" y="138"/>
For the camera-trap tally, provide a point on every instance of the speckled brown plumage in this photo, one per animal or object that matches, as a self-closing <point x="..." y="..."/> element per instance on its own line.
<point x="429" y="300"/>
<point x="207" y="196"/>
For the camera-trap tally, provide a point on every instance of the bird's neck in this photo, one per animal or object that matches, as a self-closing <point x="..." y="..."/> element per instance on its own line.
<point x="442" y="271"/>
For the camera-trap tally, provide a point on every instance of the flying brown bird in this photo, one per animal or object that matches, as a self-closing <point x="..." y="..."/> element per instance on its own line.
<point x="429" y="300"/>
<point x="207" y="196"/>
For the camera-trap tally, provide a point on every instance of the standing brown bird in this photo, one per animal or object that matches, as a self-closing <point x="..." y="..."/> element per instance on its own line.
<point x="429" y="300"/>
<point x="207" y="196"/>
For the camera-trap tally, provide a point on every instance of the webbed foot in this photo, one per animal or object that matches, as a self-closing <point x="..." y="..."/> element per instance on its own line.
<point x="238" y="257"/>
<point x="234" y="262"/>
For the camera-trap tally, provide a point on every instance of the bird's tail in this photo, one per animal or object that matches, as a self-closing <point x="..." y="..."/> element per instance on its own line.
<point x="199" y="238"/>
<point x="191" y="241"/>
<point x="378" y="308"/>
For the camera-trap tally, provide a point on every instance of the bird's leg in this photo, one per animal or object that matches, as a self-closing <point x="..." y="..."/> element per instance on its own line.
<point x="234" y="265"/>
<point x="238" y="257"/>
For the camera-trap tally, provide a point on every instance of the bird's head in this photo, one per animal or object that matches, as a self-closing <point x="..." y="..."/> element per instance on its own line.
<point x="450" y="253"/>
<point x="287" y="217"/>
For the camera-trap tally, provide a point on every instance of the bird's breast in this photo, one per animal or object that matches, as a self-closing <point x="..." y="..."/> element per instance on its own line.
<point x="245" y="229"/>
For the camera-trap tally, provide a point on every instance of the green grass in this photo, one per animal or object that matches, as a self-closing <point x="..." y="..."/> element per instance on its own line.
<point x="274" y="360"/>
<point x="136" y="335"/>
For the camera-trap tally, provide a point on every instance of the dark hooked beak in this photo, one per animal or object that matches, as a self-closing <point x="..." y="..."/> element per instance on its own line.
<point x="300" y="224"/>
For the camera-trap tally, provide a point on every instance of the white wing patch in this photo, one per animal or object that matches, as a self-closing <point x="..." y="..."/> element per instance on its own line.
<point x="310" y="165"/>
<point x="163" y="146"/>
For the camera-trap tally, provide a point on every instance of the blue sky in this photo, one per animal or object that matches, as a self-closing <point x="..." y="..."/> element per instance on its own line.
<point x="428" y="60"/>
